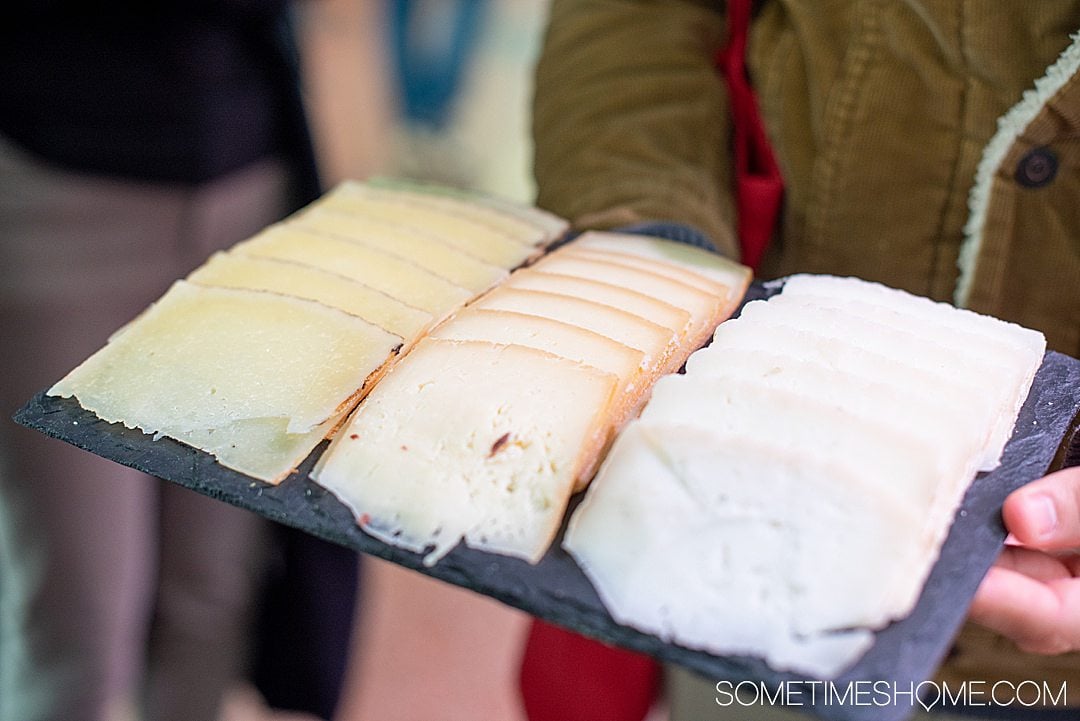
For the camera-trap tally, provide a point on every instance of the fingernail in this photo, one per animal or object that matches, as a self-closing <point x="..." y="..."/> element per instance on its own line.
<point x="1044" y="516"/>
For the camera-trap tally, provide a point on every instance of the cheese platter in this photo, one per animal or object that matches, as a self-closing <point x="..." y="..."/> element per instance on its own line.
<point x="599" y="323"/>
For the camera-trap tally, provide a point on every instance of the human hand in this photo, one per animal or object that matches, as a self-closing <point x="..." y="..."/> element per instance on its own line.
<point x="1032" y="593"/>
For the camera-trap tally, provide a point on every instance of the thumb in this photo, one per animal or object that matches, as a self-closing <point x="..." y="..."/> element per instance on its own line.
<point x="1045" y="514"/>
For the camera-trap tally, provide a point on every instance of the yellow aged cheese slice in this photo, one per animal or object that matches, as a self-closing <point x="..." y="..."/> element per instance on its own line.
<point x="232" y="270"/>
<point x="552" y="225"/>
<point x="204" y="358"/>
<point x="259" y="447"/>
<point x="473" y="441"/>
<point x="428" y="252"/>
<point x="478" y="240"/>
<point x="384" y="272"/>
<point x="511" y="225"/>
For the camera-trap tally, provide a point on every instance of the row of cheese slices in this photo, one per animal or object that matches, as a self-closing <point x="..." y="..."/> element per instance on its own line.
<point x="263" y="351"/>
<point x="484" y="430"/>
<point x="792" y="490"/>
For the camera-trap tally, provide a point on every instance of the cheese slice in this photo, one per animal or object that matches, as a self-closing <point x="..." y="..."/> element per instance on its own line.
<point x="663" y="255"/>
<point x="910" y="466"/>
<point x="732" y="547"/>
<point x="428" y="252"/>
<point x="561" y="339"/>
<point x="566" y="341"/>
<point x="993" y="375"/>
<point x="473" y="441"/>
<point x="231" y="270"/>
<point x="706" y="310"/>
<point x="641" y="305"/>
<point x="790" y="359"/>
<point x="552" y="225"/>
<point x="809" y="421"/>
<point x="202" y="359"/>
<point x="510" y="224"/>
<point x="386" y="273"/>
<point x="495" y="249"/>
<point x="259" y="447"/>
<point x="865" y="294"/>
<point x="655" y="341"/>
<point x="479" y="240"/>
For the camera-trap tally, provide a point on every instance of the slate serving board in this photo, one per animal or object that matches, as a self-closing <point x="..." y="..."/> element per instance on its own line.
<point x="906" y="652"/>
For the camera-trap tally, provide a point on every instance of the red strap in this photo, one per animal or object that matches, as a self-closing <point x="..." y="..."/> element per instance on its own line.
<point x="567" y="677"/>
<point x="564" y="676"/>
<point x="758" y="185"/>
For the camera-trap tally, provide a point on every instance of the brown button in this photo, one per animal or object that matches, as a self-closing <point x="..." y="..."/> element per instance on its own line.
<point x="1037" y="168"/>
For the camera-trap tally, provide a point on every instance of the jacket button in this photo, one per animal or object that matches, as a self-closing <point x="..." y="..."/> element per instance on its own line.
<point x="1037" y="168"/>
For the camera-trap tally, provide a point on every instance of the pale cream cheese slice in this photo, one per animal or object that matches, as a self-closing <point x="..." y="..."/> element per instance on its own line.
<point x="470" y="441"/>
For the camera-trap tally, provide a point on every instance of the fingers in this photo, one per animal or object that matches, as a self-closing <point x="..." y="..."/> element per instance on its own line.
<point x="1034" y="564"/>
<point x="1040" y="617"/>
<point x="1045" y="514"/>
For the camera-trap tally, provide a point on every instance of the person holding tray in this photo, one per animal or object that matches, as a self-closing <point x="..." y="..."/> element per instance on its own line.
<point x="927" y="146"/>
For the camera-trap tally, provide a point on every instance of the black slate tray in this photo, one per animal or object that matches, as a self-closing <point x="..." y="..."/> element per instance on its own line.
<point x="906" y="652"/>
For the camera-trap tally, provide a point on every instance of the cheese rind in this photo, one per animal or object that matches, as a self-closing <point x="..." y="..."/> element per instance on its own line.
<point x="552" y="336"/>
<point x="473" y="441"/>
<point x="613" y="296"/>
<point x="706" y="310"/>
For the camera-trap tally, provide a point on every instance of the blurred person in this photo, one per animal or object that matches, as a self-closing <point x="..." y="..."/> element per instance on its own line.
<point x="134" y="143"/>
<point x="927" y="145"/>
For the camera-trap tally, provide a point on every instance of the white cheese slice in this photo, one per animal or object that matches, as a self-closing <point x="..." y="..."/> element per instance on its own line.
<point x="787" y="358"/>
<point x="824" y="445"/>
<point x="631" y="301"/>
<point x="655" y="341"/>
<point x="996" y="379"/>
<point x="715" y="546"/>
<point x="204" y="358"/>
<point x="384" y="272"/>
<point x="909" y="465"/>
<point x="231" y="270"/>
<point x="661" y="255"/>
<point x="428" y="252"/>
<point x="473" y="441"/>
<point x="865" y="293"/>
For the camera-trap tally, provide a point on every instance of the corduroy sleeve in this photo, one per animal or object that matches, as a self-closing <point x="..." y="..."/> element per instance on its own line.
<point x="630" y="116"/>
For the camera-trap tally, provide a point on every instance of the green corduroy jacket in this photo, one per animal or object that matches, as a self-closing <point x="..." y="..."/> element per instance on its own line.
<point x="933" y="145"/>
